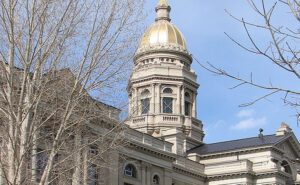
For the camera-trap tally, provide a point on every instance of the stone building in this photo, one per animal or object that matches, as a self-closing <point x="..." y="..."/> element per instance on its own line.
<point x="166" y="137"/>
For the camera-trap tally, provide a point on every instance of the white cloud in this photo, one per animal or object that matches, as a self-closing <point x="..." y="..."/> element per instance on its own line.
<point x="245" y="113"/>
<point x="219" y="124"/>
<point x="250" y="123"/>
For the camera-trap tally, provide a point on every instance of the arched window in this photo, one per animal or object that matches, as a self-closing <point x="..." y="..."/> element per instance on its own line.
<point x="167" y="101"/>
<point x="187" y="95"/>
<point x="156" y="179"/>
<point x="130" y="171"/>
<point x="286" y="167"/>
<point x="168" y="91"/>
<point x="145" y="93"/>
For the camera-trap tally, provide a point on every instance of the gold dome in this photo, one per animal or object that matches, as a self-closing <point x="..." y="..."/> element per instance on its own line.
<point x="163" y="33"/>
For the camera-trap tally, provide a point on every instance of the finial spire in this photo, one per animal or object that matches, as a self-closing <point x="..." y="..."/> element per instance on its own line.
<point x="163" y="10"/>
<point x="163" y="3"/>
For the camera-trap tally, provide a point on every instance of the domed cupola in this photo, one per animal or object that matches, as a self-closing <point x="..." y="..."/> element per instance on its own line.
<point x="163" y="87"/>
<point x="162" y="35"/>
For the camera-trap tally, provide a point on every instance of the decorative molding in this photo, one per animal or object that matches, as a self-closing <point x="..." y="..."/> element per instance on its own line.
<point x="250" y="174"/>
<point x="149" y="151"/>
<point x="188" y="172"/>
<point x="235" y="152"/>
<point x="185" y="80"/>
<point x="165" y="48"/>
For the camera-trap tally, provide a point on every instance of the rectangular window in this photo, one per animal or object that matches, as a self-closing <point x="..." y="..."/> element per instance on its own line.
<point x="93" y="175"/>
<point x="145" y="106"/>
<point x="168" y="105"/>
<point x="187" y="109"/>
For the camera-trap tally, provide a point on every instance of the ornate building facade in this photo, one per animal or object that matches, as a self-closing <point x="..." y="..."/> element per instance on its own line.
<point x="166" y="137"/>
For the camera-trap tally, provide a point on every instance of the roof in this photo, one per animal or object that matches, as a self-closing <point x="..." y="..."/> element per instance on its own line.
<point x="268" y="140"/>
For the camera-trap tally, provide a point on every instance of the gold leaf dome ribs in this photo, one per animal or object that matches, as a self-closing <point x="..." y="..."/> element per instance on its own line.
<point x="163" y="33"/>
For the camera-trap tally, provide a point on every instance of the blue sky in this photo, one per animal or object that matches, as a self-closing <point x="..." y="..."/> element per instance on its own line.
<point x="203" y="24"/>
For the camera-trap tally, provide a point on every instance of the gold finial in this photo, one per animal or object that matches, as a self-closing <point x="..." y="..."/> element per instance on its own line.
<point x="163" y="10"/>
<point x="163" y="3"/>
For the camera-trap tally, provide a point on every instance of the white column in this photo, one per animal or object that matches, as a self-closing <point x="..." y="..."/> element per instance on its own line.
<point x="195" y="105"/>
<point x="153" y="97"/>
<point x="136" y="103"/>
<point x="182" y="100"/>
<point x="158" y="99"/>
<point x="178" y="105"/>
<point x="130" y="105"/>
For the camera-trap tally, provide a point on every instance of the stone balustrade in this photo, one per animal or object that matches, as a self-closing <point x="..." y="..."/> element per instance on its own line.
<point x="190" y="165"/>
<point x="166" y="120"/>
<point x="229" y="167"/>
<point x="135" y="136"/>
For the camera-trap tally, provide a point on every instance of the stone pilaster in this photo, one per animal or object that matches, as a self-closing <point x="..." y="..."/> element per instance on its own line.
<point x="182" y="100"/>
<point x="167" y="177"/>
<point x="85" y="163"/>
<point x="153" y="99"/>
<point x="114" y="168"/>
<point x="158" y="99"/>
<point x="76" y="180"/>
<point x="136" y="102"/>
<point x="194" y="108"/>
<point x="178" y="104"/>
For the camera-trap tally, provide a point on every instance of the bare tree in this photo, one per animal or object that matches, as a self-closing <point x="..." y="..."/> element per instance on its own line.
<point x="54" y="54"/>
<point x="282" y="50"/>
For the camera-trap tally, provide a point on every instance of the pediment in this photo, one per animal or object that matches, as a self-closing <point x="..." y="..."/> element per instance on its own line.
<point x="290" y="146"/>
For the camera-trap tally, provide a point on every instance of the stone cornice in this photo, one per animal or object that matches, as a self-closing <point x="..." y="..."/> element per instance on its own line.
<point x="277" y="150"/>
<point x="262" y="174"/>
<point x="163" y="49"/>
<point x="188" y="172"/>
<point x="234" y="152"/>
<point x="174" y="78"/>
<point x="152" y="151"/>
<point x="273" y="173"/>
<point x="252" y="174"/>
<point x="230" y="175"/>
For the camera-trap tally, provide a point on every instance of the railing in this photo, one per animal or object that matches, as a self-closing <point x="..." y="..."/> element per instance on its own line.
<point x="190" y="165"/>
<point x="139" y="120"/>
<point x="146" y="139"/>
<point x="170" y="118"/>
<point x="229" y="167"/>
